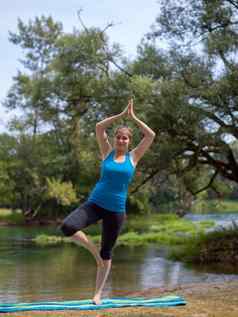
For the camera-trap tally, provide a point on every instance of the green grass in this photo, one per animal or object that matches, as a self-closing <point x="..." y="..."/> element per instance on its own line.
<point x="166" y="229"/>
<point x="44" y="239"/>
<point x="11" y="217"/>
<point x="215" y="205"/>
<point x="188" y="241"/>
<point x="140" y="223"/>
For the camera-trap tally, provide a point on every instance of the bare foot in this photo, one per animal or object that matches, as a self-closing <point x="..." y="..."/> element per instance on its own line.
<point x="97" y="300"/>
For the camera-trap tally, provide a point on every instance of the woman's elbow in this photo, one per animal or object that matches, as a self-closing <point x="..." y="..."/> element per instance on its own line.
<point x="151" y="134"/>
<point x="99" y="126"/>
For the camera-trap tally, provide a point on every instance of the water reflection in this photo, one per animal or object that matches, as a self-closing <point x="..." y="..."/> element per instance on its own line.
<point x="158" y="272"/>
<point x="29" y="272"/>
<point x="220" y="219"/>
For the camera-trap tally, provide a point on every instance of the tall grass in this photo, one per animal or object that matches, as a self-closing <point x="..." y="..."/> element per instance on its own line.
<point x="165" y="229"/>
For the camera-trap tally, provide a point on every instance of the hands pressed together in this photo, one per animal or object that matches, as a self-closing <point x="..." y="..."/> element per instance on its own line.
<point x="129" y="110"/>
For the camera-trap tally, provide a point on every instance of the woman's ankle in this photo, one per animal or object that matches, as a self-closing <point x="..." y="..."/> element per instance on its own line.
<point x="100" y="263"/>
<point x="97" y="298"/>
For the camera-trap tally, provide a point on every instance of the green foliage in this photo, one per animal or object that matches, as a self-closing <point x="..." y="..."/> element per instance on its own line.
<point x="218" y="246"/>
<point x="203" y="205"/>
<point x="12" y="216"/>
<point x="44" y="240"/>
<point x="197" y="101"/>
<point x="37" y="38"/>
<point x="6" y="191"/>
<point x="142" y="87"/>
<point x="76" y="79"/>
<point x="139" y="202"/>
<point x="63" y="192"/>
<point x="166" y="229"/>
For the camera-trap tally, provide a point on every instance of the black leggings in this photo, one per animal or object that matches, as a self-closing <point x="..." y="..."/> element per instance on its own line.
<point x="89" y="213"/>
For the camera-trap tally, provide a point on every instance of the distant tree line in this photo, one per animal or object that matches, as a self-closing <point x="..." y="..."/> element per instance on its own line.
<point x="186" y="92"/>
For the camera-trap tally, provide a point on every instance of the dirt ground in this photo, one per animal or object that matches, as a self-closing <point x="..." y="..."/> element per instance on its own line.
<point x="203" y="300"/>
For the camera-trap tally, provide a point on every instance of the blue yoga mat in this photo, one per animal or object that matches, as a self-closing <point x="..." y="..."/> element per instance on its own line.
<point x="164" y="301"/>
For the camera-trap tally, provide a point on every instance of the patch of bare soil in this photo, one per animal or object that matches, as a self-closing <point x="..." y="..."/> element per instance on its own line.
<point x="203" y="300"/>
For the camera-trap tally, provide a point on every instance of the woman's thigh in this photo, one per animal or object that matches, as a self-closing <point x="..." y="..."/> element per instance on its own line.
<point x="80" y="218"/>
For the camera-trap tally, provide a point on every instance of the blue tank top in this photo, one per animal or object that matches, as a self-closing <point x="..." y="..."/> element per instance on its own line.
<point x="110" y="192"/>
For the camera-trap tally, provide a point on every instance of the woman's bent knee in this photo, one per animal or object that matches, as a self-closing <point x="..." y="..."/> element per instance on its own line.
<point x="68" y="230"/>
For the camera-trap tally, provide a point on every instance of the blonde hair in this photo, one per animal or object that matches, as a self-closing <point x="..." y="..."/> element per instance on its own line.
<point x="123" y="127"/>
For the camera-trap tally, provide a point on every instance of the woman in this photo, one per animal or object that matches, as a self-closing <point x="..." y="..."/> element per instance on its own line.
<point x="107" y="200"/>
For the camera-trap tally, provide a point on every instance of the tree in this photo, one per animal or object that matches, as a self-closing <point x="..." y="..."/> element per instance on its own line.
<point x="66" y="84"/>
<point x="199" y="101"/>
<point x="74" y="80"/>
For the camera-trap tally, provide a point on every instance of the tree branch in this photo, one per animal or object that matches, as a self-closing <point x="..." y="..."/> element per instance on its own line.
<point x="233" y="3"/>
<point x="145" y="181"/>
<point x="81" y="21"/>
<point x="208" y="185"/>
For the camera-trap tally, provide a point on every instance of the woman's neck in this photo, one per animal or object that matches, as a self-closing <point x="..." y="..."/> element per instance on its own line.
<point x="119" y="153"/>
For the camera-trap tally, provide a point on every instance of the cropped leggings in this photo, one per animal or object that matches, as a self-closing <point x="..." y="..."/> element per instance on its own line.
<point x="89" y="213"/>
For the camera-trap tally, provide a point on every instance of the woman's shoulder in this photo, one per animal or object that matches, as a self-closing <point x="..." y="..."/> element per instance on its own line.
<point x="132" y="158"/>
<point x="106" y="155"/>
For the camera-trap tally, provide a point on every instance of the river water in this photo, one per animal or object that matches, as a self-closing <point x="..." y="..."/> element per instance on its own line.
<point x="30" y="272"/>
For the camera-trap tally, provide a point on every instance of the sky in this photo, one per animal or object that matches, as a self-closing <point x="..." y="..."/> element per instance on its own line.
<point x="132" y="20"/>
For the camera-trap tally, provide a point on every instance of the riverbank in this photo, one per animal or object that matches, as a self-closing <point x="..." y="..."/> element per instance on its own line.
<point x="203" y="300"/>
<point x="139" y="230"/>
<point x="187" y="241"/>
<point x="214" y="206"/>
<point x="8" y="217"/>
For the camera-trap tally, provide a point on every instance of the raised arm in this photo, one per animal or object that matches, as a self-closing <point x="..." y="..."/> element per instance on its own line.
<point x="149" y="135"/>
<point x="101" y="135"/>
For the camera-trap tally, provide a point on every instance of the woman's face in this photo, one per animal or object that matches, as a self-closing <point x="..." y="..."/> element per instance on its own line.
<point x="121" y="140"/>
